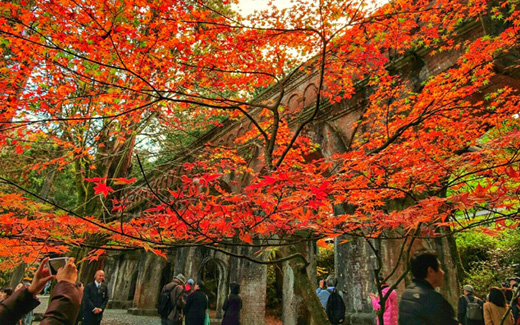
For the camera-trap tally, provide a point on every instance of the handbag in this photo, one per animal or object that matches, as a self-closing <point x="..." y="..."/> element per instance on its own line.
<point x="206" y="319"/>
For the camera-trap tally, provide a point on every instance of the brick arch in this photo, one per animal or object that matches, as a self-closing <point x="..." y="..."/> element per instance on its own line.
<point x="223" y="279"/>
<point x="241" y="131"/>
<point x="309" y="95"/>
<point x="292" y="103"/>
<point x="230" y="140"/>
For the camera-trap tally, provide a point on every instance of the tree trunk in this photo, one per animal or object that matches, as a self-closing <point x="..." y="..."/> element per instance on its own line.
<point x="17" y="275"/>
<point x="306" y="287"/>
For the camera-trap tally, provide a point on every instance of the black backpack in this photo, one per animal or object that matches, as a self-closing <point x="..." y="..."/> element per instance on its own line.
<point x="473" y="309"/>
<point x="164" y="305"/>
<point x="335" y="307"/>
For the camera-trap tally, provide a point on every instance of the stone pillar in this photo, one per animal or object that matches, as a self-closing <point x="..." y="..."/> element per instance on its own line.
<point x="448" y="256"/>
<point x="291" y="301"/>
<point x="294" y="311"/>
<point x="252" y="278"/>
<point x="188" y="262"/>
<point x="354" y="268"/>
<point x="223" y="286"/>
<point x="123" y="279"/>
<point x="148" y="286"/>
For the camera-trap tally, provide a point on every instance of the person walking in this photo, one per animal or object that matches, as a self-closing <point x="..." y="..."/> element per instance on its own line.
<point x="196" y="305"/>
<point x="420" y="303"/>
<point x="232" y="306"/>
<point x="390" y="315"/>
<point x="496" y="307"/>
<point x="95" y="299"/>
<point x="468" y="299"/>
<point x="174" y="291"/>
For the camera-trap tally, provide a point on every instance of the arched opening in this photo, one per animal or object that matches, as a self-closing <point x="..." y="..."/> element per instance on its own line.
<point x="213" y="273"/>
<point x="274" y="292"/>
<point x="210" y="277"/>
<point x="131" y="290"/>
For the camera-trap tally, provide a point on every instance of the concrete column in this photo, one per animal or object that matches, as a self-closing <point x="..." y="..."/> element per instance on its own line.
<point x="148" y="286"/>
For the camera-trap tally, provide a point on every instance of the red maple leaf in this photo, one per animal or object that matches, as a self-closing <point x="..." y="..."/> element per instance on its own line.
<point x="102" y="188"/>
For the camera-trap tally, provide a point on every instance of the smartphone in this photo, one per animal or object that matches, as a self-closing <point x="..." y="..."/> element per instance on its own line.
<point x="54" y="264"/>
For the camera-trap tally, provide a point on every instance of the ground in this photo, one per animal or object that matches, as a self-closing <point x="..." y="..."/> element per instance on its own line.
<point x="121" y="317"/>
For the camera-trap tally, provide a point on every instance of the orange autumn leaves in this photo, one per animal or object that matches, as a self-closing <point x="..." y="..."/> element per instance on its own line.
<point x="87" y="75"/>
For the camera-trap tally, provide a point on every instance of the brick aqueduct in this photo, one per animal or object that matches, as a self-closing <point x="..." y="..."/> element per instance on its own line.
<point x="135" y="279"/>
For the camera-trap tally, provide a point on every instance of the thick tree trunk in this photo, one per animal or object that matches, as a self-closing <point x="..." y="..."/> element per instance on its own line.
<point x="17" y="275"/>
<point x="306" y="287"/>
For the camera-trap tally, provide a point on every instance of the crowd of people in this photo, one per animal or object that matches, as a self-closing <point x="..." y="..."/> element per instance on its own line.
<point x="421" y="304"/>
<point x="186" y="303"/>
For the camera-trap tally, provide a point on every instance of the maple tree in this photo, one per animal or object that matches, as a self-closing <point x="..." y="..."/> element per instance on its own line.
<point x="90" y="78"/>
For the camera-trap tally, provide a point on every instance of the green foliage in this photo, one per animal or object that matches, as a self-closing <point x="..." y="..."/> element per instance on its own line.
<point x="325" y="262"/>
<point x="273" y="291"/>
<point x="489" y="260"/>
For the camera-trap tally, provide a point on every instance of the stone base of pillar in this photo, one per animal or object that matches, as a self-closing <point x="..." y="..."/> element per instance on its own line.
<point x="119" y="304"/>
<point x="142" y="311"/>
<point x="361" y="318"/>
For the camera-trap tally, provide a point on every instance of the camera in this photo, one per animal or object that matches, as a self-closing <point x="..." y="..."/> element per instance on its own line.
<point x="54" y="264"/>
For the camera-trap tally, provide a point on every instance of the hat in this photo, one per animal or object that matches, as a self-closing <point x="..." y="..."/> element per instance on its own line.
<point x="180" y="277"/>
<point x="190" y="281"/>
<point x="469" y="288"/>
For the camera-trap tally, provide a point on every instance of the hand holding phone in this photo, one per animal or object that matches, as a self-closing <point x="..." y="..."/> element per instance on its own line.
<point x="68" y="273"/>
<point x="54" y="264"/>
<point x="41" y="277"/>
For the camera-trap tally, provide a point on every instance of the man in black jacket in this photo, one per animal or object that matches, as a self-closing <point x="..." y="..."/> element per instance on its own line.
<point x="420" y="303"/>
<point x="463" y="304"/>
<point x="95" y="299"/>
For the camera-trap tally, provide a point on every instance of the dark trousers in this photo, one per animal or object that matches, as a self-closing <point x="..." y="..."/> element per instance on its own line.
<point x="91" y="320"/>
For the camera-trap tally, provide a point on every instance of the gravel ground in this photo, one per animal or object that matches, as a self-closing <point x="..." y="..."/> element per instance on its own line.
<point x="121" y="317"/>
<point x="110" y="316"/>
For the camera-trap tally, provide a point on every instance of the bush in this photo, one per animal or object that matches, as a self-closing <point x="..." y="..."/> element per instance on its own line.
<point x="488" y="260"/>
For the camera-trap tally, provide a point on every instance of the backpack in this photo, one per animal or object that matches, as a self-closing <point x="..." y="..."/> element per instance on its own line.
<point x="335" y="307"/>
<point x="164" y="305"/>
<point x="473" y="309"/>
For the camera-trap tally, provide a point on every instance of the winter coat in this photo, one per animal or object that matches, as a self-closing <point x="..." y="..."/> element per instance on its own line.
<point x="390" y="315"/>
<point x="422" y="305"/>
<point x="462" y="306"/>
<point x="63" y="306"/>
<point x="493" y="314"/>
<point x="18" y="304"/>
<point x="195" y="310"/>
<point x="176" y="299"/>
<point x="232" y="307"/>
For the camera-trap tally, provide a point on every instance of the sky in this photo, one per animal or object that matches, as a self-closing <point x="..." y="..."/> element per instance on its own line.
<point x="249" y="6"/>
